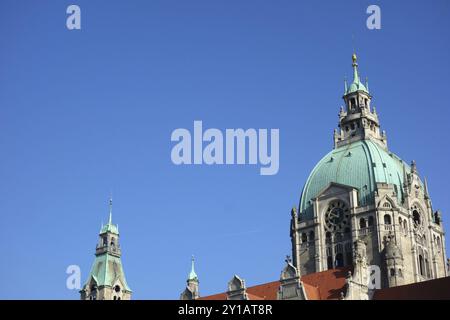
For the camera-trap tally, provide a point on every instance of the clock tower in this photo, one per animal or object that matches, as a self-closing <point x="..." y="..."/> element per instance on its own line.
<point x="106" y="280"/>
<point x="361" y="192"/>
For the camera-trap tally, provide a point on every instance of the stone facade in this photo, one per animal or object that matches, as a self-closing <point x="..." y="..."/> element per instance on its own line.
<point x="391" y="212"/>
<point x="362" y="209"/>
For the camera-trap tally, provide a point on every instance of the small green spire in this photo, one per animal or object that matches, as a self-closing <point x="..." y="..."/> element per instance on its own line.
<point x="110" y="210"/>
<point x="192" y="274"/>
<point x="355" y="69"/>
<point x="109" y="227"/>
<point x="356" y="85"/>
<point x="345" y="85"/>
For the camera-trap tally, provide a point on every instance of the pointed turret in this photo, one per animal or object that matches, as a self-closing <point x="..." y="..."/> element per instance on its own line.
<point x="425" y="187"/>
<point x="106" y="280"/>
<point x="357" y="122"/>
<point x="356" y="85"/>
<point x="191" y="292"/>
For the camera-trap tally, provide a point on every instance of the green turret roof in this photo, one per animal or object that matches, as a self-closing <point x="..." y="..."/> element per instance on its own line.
<point x="356" y="85"/>
<point x="192" y="274"/>
<point x="110" y="227"/>
<point x="107" y="268"/>
<point x="106" y="271"/>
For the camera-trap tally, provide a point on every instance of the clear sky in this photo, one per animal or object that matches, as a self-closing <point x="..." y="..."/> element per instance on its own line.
<point x="86" y="112"/>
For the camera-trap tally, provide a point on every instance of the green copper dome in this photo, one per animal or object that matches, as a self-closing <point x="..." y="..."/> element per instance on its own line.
<point x="356" y="86"/>
<point x="361" y="165"/>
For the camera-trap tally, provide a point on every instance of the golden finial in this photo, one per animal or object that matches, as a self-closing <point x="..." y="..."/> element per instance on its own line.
<point x="354" y="58"/>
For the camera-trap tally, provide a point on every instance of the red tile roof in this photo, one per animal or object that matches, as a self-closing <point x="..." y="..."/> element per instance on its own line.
<point x="436" y="289"/>
<point x="325" y="285"/>
<point x="329" y="284"/>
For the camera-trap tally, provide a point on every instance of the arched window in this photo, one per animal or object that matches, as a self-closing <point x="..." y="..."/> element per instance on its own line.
<point x="370" y="221"/>
<point x="416" y="217"/>
<point x="387" y="219"/>
<point x="339" y="260"/>
<point x="362" y="223"/>
<point x="304" y="238"/>
<point x="348" y="253"/>
<point x="400" y="222"/>
<point x="113" y="242"/>
<point x="400" y="274"/>
<point x="311" y="236"/>
<point x="328" y="237"/>
<point x="105" y="241"/>
<point x="438" y="242"/>
<point x="392" y="272"/>
<point x="405" y="226"/>
<point x="93" y="293"/>
<point x="421" y="266"/>
<point x="330" y="262"/>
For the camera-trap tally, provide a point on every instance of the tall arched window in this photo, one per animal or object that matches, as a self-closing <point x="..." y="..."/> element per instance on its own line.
<point x="416" y="217"/>
<point x="311" y="236"/>
<point x="339" y="260"/>
<point x="370" y="221"/>
<point x="93" y="293"/>
<point x="304" y="238"/>
<point x="421" y="266"/>
<point x="328" y="237"/>
<point x="387" y="219"/>
<point x="330" y="262"/>
<point x="362" y="223"/>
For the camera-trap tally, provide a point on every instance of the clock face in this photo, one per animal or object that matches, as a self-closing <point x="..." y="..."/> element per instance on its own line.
<point x="337" y="216"/>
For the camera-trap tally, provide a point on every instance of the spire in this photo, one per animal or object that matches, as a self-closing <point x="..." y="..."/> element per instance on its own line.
<point x="355" y="69"/>
<point x="345" y="85"/>
<point x="110" y="227"/>
<point x="367" y="83"/>
<point x="425" y="186"/>
<point x="110" y="210"/>
<point x="413" y="166"/>
<point x="356" y="85"/>
<point x="192" y="274"/>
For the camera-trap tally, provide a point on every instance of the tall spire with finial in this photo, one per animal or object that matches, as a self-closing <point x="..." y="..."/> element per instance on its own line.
<point x="355" y="68"/>
<point x="110" y="210"/>
<point x="192" y="274"/>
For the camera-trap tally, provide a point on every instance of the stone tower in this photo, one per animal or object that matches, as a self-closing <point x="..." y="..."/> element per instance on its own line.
<point x="191" y="292"/>
<point x="361" y="191"/>
<point x="106" y="279"/>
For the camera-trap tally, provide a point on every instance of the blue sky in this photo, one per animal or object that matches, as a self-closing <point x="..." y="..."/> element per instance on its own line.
<point x="86" y="112"/>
